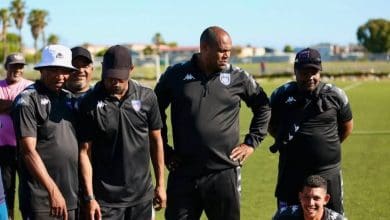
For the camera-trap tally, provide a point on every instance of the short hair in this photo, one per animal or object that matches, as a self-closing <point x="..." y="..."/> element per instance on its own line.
<point x="209" y="35"/>
<point x="315" y="181"/>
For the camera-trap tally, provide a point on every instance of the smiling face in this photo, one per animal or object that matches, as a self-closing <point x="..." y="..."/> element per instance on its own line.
<point x="79" y="80"/>
<point x="14" y="73"/>
<point x="313" y="201"/>
<point x="307" y="78"/>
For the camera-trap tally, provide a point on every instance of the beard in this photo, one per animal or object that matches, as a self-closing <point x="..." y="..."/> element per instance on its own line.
<point x="75" y="85"/>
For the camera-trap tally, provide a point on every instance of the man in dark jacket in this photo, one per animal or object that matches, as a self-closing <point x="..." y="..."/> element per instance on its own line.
<point x="309" y="121"/>
<point x="205" y="95"/>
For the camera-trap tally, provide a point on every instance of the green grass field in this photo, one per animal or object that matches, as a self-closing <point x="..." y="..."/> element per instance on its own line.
<point x="366" y="153"/>
<point x="366" y="157"/>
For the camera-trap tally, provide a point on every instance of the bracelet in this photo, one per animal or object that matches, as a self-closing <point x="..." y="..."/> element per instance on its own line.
<point x="89" y="198"/>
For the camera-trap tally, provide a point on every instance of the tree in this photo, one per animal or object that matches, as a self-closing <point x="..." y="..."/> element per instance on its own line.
<point x="37" y="21"/>
<point x="12" y="44"/>
<point x="375" y="35"/>
<point x="53" y="39"/>
<point x="4" y="17"/>
<point x="158" y="40"/>
<point x="148" y="50"/>
<point x="172" y="44"/>
<point x="17" y="13"/>
<point x="288" y="49"/>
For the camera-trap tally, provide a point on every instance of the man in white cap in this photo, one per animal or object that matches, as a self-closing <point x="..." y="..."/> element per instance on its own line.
<point x="10" y="87"/>
<point x="44" y="121"/>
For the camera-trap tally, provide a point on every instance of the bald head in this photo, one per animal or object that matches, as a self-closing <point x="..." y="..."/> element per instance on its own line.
<point x="215" y="48"/>
<point x="211" y="35"/>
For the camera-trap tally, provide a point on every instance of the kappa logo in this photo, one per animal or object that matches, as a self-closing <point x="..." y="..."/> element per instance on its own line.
<point x="45" y="101"/>
<point x="136" y="105"/>
<point x="101" y="104"/>
<point x="290" y="100"/>
<point x="290" y="137"/>
<point x="59" y="55"/>
<point x="294" y="209"/>
<point x="188" y="76"/>
<point x="22" y="102"/>
<point x="225" y="78"/>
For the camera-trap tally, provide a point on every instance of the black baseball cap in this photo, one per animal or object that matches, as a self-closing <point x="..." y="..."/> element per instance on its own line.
<point x="117" y="63"/>
<point x="308" y="58"/>
<point x="14" y="58"/>
<point x="81" y="52"/>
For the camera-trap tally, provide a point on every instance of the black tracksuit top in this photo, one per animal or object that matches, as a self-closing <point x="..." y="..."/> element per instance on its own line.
<point x="205" y="113"/>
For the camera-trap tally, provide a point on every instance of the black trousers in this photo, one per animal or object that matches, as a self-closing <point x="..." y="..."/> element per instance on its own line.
<point x="139" y="211"/>
<point x="217" y="194"/>
<point x="8" y="166"/>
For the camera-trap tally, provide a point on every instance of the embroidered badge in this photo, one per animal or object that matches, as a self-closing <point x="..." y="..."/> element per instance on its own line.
<point x="225" y="78"/>
<point x="136" y="105"/>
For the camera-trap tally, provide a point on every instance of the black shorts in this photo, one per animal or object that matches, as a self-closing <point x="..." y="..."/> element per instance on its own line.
<point x="32" y="215"/>
<point x="217" y="193"/>
<point x="139" y="211"/>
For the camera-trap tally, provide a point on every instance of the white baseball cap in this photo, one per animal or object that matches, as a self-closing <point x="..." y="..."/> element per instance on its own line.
<point x="57" y="56"/>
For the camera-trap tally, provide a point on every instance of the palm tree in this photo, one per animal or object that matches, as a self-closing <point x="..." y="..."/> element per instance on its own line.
<point x="4" y="17"/>
<point x="18" y="13"/>
<point x="158" y="40"/>
<point x="53" y="39"/>
<point x="37" y="21"/>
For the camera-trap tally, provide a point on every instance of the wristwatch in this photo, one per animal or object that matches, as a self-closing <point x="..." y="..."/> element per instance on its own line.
<point x="88" y="198"/>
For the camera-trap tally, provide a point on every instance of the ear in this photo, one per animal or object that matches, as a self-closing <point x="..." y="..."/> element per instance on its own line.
<point x="203" y="47"/>
<point x="300" y="195"/>
<point x="131" y="68"/>
<point x="327" y="198"/>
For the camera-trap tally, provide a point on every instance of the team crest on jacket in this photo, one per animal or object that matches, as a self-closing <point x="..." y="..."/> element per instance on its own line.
<point x="136" y="105"/>
<point x="225" y="78"/>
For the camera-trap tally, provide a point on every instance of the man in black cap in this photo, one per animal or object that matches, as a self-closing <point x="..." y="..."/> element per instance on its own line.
<point x="205" y="95"/>
<point x="309" y="121"/>
<point x="44" y="121"/>
<point x="79" y="81"/>
<point x="119" y="135"/>
<point x="10" y="87"/>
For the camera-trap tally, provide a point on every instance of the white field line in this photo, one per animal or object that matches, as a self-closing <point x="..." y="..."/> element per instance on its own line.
<point x="352" y="86"/>
<point x="358" y="132"/>
<point x="372" y="132"/>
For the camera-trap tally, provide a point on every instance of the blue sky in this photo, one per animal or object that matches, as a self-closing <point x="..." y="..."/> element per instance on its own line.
<point x="272" y="23"/>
